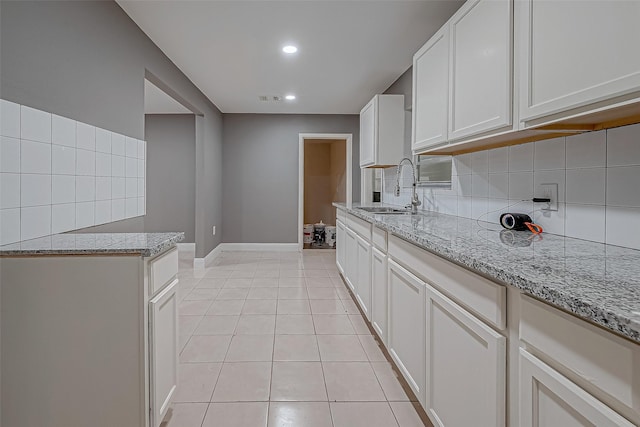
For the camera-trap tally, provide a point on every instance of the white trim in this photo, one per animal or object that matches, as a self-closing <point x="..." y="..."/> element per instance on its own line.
<point x="301" y="137"/>
<point x="276" y="247"/>
<point x="201" y="263"/>
<point x="186" y="247"/>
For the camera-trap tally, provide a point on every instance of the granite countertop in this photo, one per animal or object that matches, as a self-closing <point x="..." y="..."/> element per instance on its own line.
<point x="142" y="244"/>
<point x="597" y="282"/>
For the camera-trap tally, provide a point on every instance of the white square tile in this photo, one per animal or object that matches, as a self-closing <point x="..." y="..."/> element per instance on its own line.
<point x="623" y="227"/>
<point x="464" y="207"/>
<point x="63" y="189"/>
<point x="465" y="185"/>
<point x="103" y="164"/>
<point x="117" y="166"/>
<point x="9" y="154"/>
<point x="117" y="144"/>
<point x="556" y="176"/>
<point x="103" y="188"/>
<point x="585" y="222"/>
<point x="103" y="212"/>
<point x="141" y="206"/>
<point x="9" y="226"/>
<point x="549" y="154"/>
<point x="521" y="157"/>
<point x="495" y="208"/>
<point x="499" y="160"/>
<point x="117" y="188"/>
<point x="9" y="190"/>
<point x="35" y="125"/>
<point x="103" y="141"/>
<point x="141" y="168"/>
<point x="131" y="187"/>
<point x="85" y="214"/>
<point x="86" y="136"/>
<point x="462" y="164"/>
<point x="131" y="207"/>
<point x="141" y="187"/>
<point x="447" y="205"/>
<point x="480" y="185"/>
<point x="480" y="162"/>
<point x="35" y="157"/>
<point x="85" y="162"/>
<point x="131" y="147"/>
<point x="35" y="222"/>
<point x="623" y="148"/>
<point x="131" y="167"/>
<point x="63" y="160"/>
<point x="498" y="186"/>
<point x="586" y="186"/>
<point x="63" y="131"/>
<point x="9" y="119"/>
<point x="35" y="190"/>
<point x="63" y="218"/>
<point x="85" y="188"/>
<point x="588" y="150"/>
<point x="117" y="210"/>
<point x="479" y="209"/>
<point x="552" y="222"/>
<point x="141" y="149"/>
<point x="622" y="186"/>
<point x="521" y="185"/>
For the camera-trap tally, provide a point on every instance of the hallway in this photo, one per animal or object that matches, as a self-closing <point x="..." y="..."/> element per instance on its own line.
<point x="274" y="338"/>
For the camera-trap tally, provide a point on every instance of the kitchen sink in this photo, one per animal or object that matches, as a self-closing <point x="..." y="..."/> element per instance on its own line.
<point x="386" y="210"/>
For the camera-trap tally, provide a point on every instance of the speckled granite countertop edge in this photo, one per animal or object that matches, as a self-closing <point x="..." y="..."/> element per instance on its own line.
<point x="626" y="326"/>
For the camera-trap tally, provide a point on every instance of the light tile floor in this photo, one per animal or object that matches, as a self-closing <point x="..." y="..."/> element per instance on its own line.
<point x="275" y="339"/>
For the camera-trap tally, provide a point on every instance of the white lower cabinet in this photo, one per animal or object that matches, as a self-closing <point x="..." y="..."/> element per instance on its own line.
<point x="351" y="258"/>
<point x="163" y="336"/>
<point x="465" y="367"/>
<point x="548" y="399"/>
<point x="340" y="245"/>
<point x="406" y="343"/>
<point x="379" y="291"/>
<point x="363" y="275"/>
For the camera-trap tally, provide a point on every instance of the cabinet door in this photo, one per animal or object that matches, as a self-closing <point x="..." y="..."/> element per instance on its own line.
<point x="406" y="325"/>
<point x="548" y="399"/>
<point x="351" y="259"/>
<point x="430" y="92"/>
<point x="340" y="246"/>
<point x="466" y="367"/>
<point x="163" y="354"/>
<point x="562" y="68"/>
<point x="480" y="68"/>
<point x="363" y="286"/>
<point x="379" y="291"/>
<point x="368" y="135"/>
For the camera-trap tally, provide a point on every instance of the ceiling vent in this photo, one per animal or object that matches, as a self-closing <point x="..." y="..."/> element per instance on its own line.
<point x="265" y="98"/>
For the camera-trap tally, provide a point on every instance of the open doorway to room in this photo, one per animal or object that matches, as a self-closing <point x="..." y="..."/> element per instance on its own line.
<point x="325" y="177"/>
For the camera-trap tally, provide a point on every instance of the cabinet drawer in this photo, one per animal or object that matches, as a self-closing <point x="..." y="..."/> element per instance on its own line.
<point x="380" y="238"/>
<point x="162" y="270"/>
<point x="481" y="296"/>
<point x="598" y="359"/>
<point x="341" y="214"/>
<point x="360" y="226"/>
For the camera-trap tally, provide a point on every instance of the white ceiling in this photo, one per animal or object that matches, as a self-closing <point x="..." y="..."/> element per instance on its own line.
<point x="348" y="50"/>
<point x="156" y="101"/>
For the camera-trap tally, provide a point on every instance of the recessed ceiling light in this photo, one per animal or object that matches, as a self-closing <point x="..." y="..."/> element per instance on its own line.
<point x="289" y="49"/>
<point x="290" y="97"/>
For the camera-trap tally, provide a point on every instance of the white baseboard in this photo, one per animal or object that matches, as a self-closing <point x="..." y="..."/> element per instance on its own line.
<point x="199" y="263"/>
<point x="186" y="247"/>
<point x="276" y="247"/>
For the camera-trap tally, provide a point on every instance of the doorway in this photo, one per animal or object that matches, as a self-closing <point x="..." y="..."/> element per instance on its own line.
<point x="324" y="178"/>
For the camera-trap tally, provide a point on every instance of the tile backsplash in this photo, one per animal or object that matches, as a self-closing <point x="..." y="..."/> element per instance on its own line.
<point x="57" y="174"/>
<point x="598" y="177"/>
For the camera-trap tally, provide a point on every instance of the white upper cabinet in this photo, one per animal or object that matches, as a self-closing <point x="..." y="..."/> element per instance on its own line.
<point x="430" y="92"/>
<point x="480" y="64"/>
<point x="382" y="131"/>
<point x="576" y="54"/>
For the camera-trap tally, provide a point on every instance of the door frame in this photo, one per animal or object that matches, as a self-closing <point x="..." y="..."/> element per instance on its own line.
<point x="347" y="137"/>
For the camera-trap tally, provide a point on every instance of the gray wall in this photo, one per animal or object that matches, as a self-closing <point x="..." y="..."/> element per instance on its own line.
<point x="87" y="61"/>
<point x="260" y="172"/>
<point x="404" y="86"/>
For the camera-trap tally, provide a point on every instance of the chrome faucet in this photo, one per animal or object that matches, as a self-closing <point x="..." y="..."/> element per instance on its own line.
<point x="415" y="202"/>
